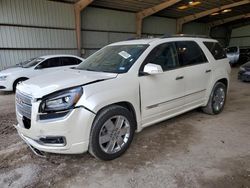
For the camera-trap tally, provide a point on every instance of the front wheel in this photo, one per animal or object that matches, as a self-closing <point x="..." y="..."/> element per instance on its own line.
<point x="112" y="133"/>
<point x="217" y="99"/>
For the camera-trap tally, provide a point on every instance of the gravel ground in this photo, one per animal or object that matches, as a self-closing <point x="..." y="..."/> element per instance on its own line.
<point x="191" y="150"/>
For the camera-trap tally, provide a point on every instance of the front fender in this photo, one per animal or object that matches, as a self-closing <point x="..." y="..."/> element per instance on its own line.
<point x="100" y="95"/>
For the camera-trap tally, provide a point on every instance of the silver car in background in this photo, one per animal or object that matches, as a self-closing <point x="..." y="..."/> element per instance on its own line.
<point x="233" y="54"/>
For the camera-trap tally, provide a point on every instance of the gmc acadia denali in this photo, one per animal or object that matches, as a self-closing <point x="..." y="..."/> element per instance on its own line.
<point x="120" y="89"/>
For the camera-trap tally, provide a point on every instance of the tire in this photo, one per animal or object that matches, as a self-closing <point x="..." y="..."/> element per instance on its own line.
<point x="107" y="138"/>
<point x="17" y="82"/>
<point x="217" y="99"/>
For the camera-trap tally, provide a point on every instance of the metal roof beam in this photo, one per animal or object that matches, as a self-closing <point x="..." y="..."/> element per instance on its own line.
<point x="150" y="11"/>
<point x="78" y="7"/>
<point x="226" y="20"/>
<point x="192" y="17"/>
<point x="81" y="4"/>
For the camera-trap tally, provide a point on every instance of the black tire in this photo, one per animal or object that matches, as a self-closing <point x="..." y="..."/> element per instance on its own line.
<point x="210" y="108"/>
<point x="18" y="81"/>
<point x="95" y="147"/>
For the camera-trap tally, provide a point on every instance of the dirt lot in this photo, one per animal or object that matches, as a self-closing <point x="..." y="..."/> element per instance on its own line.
<point x="192" y="150"/>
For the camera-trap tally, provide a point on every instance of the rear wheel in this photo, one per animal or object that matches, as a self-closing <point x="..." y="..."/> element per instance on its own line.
<point x="112" y="133"/>
<point x="18" y="81"/>
<point x="217" y="99"/>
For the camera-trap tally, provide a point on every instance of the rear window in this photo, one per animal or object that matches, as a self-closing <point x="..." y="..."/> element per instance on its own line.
<point x="189" y="53"/>
<point x="216" y="50"/>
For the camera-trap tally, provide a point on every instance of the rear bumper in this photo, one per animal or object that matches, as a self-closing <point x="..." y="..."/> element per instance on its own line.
<point x="75" y="128"/>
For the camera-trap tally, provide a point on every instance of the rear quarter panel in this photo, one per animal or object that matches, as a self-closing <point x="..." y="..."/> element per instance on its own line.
<point x="220" y="69"/>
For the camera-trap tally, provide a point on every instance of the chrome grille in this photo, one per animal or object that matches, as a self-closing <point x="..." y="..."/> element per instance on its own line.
<point x="23" y="104"/>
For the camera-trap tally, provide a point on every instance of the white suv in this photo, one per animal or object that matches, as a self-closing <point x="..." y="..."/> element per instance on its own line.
<point x="122" y="88"/>
<point x="10" y="77"/>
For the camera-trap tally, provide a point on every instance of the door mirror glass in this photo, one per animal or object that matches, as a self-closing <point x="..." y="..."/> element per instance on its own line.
<point x="151" y="68"/>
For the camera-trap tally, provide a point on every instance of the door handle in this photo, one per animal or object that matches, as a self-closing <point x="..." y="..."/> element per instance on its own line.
<point x="207" y="71"/>
<point x="179" y="77"/>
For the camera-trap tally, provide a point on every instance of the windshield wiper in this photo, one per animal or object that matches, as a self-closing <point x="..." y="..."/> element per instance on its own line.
<point x="90" y="70"/>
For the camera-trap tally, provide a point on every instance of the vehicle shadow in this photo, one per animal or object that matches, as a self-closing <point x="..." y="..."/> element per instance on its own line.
<point x="6" y="92"/>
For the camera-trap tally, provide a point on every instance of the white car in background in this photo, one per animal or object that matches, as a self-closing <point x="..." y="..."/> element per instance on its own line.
<point x="122" y="88"/>
<point x="10" y="77"/>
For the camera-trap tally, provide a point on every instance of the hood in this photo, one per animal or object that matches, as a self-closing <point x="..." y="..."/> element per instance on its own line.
<point x="48" y="83"/>
<point x="11" y="70"/>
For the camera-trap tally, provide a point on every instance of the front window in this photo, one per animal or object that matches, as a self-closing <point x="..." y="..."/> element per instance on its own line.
<point x="113" y="59"/>
<point x="32" y="63"/>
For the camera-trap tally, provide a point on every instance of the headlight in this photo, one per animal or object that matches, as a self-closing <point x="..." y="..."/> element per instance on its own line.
<point x="242" y="69"/>
<point x="61" y="101"/>
<point x="2" y="78"/>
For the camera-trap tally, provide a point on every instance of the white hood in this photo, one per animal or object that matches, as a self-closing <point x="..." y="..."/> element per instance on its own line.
<point x="11" y="70"/>
<point x="48" y="83"/>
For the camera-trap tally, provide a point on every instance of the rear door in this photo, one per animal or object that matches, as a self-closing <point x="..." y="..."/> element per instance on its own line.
<point x="161" y="94"/>
<point x="197" y="72"/>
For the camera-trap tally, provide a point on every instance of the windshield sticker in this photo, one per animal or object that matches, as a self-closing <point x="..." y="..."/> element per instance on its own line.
<point x="124" y="54"/>
<point x="121" y="68"/>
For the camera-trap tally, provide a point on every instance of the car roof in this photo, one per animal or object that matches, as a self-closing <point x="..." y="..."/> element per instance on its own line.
<point x="165" y="39"/>
<point x="134" y="41"/>
<point x="58" y="55"/>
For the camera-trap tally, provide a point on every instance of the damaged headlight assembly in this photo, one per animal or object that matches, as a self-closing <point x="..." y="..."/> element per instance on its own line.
<point x="61" y="101"/>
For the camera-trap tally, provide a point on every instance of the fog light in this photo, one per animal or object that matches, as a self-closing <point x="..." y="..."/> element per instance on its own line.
<point x="53" y="141"/>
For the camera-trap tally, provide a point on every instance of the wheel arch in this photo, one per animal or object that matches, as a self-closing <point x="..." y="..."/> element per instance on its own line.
<point x="16" y="80"/>
<point x="124" y="104"/>
<point x="224" y="81"/>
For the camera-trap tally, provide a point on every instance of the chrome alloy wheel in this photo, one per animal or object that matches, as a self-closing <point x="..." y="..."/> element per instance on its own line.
<point x="219" y="99"/>
<point x="114" y="134"/>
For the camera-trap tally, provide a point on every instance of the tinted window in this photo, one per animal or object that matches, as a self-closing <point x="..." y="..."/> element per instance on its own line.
<point x="216" y="50"/>
<point x="189" y="53"/>
<point x="164" y="55"/>
<point x="49" y="63"/>
<point x="67" y="61"/>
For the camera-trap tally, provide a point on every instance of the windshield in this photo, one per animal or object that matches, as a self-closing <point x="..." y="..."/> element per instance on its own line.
<point x="113" y="59"/>
<point x="32" y="63"/>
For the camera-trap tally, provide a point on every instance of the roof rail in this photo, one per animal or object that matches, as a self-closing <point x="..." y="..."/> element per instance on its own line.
<point x="185" y="35"/>
<point x="137" y="38"/>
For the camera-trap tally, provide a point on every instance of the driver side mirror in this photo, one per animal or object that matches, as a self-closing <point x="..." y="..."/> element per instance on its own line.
<point x="151" y="68"/>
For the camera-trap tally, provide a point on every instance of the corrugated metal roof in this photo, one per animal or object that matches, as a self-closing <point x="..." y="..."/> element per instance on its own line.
<point x="173" y="11"/>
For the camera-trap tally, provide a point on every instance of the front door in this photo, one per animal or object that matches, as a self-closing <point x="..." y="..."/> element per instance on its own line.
<point x="161" y="94"/>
